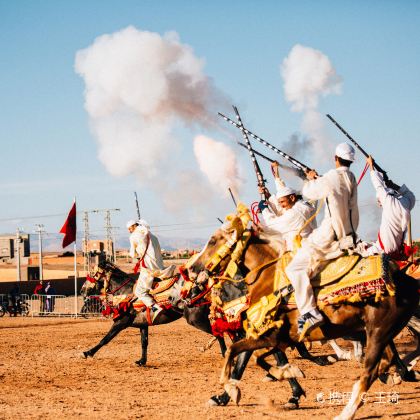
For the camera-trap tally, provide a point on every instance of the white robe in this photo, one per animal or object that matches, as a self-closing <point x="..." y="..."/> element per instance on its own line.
<point x="341" y="218"/>
<point x="145" y="245"/>
<point x="139" y="242"/>
<point x="288" y="222"/>
<point x="341" y="214"/>
<point x="396" y="208"/>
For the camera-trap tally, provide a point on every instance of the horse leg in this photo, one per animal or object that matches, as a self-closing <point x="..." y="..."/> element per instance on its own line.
<point x="358" y="350"/>
<point x="412" y="358"/>
<point x="232" y="391"/>
<point x="144" y="338"/>
<point x="319" y="360"/>
<point x="198" y="318"/>
<point x="341" y="354"/>
<point x="380" y="332"/>
<point x="116" y="328"/>
<point x="249" y="345"/>
<point x="402" y="369"/>
<point x="222" y="344"/>
<point x="281" y="359"/>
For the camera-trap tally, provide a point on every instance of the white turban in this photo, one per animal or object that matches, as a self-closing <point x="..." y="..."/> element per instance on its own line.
<point x="284" y="191"/>
<point x="143" y="222"/>
<point x="131" y="223"/>
<point x="345" y="151"/>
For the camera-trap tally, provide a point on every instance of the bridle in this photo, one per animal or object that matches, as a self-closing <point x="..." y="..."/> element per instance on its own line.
<point x="103" y="273"/>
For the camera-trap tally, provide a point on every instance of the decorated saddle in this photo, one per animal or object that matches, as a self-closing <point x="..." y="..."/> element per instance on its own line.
<point x="117" y="305"/>
<point x="349" y="279"/>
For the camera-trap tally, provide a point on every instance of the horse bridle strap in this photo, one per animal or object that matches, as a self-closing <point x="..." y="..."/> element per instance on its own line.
<point x="226" y="249"/>
<point x="121" y="286"/>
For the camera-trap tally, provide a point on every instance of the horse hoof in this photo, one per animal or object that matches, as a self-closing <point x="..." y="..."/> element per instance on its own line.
<point x="140" y="363"/>
<point x="233" y="391"/>
<point x="293" y="372"/>
<point x="85" y="355"/>
<point x="331" y="359"/>
<point x="212" y="403"/>
<point x="292" y="404"/>
<point x="269" y="378"/>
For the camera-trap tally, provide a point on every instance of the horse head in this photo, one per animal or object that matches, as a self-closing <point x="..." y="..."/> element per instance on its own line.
<point x="220" y="249"/>
<point x="100" y="278"/>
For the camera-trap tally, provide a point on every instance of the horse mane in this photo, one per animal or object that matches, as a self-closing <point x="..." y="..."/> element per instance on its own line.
<point x="273" y="239"/>
<point x="264" y="240"/>
<point x="109" y="266"/>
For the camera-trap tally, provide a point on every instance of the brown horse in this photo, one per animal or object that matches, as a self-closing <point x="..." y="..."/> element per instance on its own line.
<point x="381" y="320"/>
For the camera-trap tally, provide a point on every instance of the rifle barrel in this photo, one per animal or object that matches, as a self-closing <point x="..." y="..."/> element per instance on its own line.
<point x="233" y="198"/>
<point x="292" y="160"/>
<point x="137" y="205"/>
<point x="296" y="171"/>
<point x="260" y="178"/>
<point x="360" y="148"/>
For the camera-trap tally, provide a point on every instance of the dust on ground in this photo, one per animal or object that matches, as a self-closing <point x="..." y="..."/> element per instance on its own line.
<point x="43" y="376"/>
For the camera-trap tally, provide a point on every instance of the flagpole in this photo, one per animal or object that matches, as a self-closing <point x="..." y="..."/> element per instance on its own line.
<point x="75" y="272"/>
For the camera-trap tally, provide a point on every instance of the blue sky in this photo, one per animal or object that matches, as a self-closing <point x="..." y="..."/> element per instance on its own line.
<point x="49" y="154"/>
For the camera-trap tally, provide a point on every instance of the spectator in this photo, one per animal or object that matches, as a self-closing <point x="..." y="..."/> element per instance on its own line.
<point x="39" y="291"/>
<point x="14" y="295"/>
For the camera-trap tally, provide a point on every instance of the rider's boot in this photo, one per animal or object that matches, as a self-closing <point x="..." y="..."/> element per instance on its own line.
<point x="308" y="322"/>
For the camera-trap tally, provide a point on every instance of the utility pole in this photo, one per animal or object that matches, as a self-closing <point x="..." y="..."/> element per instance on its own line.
<point x="18" y="240"/>
<point x="108" y="230"/>
<point x="40" y="230"/>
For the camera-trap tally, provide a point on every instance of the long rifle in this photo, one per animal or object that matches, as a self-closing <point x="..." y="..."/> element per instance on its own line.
<point x="260" y="178"/>
<point x="233" y="198"/>
<point x="377" y="167"/>
<point x="292" y="160"/>
<point x="137" y="205"/>
<point x="296" y="171"/>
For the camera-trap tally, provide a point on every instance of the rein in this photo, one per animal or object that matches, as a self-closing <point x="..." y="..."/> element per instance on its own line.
<point x="103" y="274"/>
<point x="256" y="269"/>
<point x="122" y="285"/>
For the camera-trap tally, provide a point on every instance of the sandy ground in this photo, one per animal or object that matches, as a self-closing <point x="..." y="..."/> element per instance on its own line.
<point x="43" y="376"/>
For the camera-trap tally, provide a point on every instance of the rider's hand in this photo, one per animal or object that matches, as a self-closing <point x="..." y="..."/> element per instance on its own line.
<point x="264" y="191"/>
<point x="262" y="205"/>
<point x="370" y="162"/>
<point x="311" y="174"/>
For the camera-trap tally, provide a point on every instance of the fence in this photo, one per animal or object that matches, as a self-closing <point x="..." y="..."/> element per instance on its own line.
<point x="61" y="305"/>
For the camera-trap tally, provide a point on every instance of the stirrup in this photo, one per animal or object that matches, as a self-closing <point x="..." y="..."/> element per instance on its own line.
<point x="308" y="323"/>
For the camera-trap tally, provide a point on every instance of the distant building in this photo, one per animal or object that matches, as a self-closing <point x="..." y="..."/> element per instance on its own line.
<point x="8" y="246"/>
<point x="98" y="247"/>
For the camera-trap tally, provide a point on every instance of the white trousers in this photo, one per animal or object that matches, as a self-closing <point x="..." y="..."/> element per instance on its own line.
<point x="298" y="272"/>
<point x="143" y="286"/>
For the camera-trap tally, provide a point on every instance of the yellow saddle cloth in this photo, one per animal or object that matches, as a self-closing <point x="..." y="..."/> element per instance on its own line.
<point x="347" y="279"/>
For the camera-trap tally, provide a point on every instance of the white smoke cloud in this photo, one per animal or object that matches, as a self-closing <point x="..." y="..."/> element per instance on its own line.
<point x="140" y="89"/>
<point x="308" y="75"/>
<point x="218" y="162"/>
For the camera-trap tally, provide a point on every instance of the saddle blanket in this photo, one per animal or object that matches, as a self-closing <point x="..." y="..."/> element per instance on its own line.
<point x="361" y="279"/>
<point x="120" y="304"/>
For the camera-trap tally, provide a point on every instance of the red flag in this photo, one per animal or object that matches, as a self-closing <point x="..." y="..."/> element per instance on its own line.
<point x="69" y="227"/>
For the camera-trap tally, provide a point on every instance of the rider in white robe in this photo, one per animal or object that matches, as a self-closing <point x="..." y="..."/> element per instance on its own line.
<point x="397" y="203"/>
<point x="145" y="246"/>
<point x="336" y="233"/>
<point x="287" y="214"/>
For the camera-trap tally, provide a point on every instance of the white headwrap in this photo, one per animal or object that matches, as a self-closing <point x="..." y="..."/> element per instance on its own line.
<point x="345" y="151"/>
<point x="284" y="191"/>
